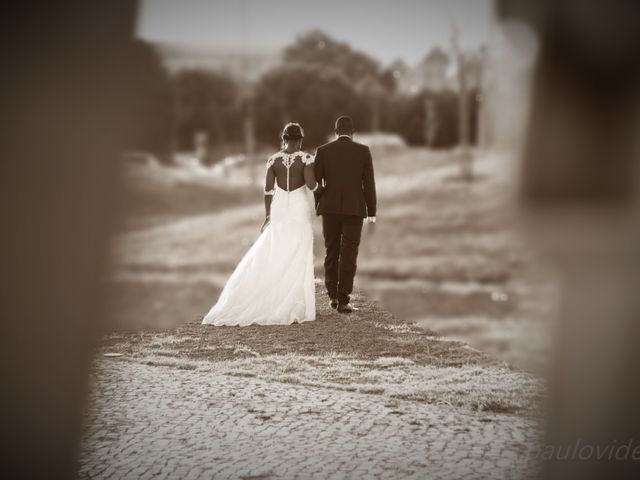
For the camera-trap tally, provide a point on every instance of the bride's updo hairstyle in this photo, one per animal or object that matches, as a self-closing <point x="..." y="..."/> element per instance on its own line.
<point x="291" y="132"/>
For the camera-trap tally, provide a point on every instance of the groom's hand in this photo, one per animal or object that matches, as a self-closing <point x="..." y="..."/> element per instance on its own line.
<point x="372" y="224"/>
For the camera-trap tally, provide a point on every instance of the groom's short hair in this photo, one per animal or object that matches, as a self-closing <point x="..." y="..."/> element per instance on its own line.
<point x="344" y="124"/>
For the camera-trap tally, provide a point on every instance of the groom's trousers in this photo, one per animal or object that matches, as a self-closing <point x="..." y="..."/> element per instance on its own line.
<point x="341" y="240"/>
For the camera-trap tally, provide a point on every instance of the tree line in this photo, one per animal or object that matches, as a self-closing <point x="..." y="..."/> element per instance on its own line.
<point x="318" y="79"/>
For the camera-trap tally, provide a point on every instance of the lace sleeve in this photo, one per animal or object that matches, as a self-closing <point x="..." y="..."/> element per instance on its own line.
<point x="270" y="179"/>
<point x="308" y="159"/>
<point x="309" y="172"/>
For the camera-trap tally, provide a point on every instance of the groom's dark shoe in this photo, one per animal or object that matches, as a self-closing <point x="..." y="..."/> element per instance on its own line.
<point x="334" y="303"/>
<point x="346" y="308"/>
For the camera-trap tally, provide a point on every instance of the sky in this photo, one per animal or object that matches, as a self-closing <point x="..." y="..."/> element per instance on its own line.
<point x="385" y="29"/>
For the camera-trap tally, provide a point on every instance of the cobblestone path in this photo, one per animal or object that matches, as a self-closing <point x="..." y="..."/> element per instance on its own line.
<point x="149" y="421"/>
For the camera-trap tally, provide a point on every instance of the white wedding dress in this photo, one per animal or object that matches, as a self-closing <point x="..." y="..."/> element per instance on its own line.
<point x="274" y="283"/>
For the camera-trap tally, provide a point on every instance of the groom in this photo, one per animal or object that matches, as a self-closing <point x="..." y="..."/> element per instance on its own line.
<point x="345" y="170"/>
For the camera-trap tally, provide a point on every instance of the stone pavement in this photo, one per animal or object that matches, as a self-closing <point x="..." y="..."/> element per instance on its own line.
<point x="161" y="422"/>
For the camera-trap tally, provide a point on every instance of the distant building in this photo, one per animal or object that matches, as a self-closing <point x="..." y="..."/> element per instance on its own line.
<point x="402" y="75"/>
<point x="436" y="72"/>
<point x="240" y="64"/>
<point x="432" y="71"/>
<point x="474" y="64"/>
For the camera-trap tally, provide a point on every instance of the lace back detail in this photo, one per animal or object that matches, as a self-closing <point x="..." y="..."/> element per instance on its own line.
<point x="288" y="160"/>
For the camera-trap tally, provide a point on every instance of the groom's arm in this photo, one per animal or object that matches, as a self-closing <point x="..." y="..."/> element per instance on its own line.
<point x="369" y="184"/>
<point x="318" y="168"/>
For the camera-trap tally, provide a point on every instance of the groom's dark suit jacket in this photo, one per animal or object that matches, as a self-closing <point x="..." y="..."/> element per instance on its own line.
<point x="345" y="170"/>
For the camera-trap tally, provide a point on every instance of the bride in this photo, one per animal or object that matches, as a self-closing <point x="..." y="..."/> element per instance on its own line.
<point x="273" y="284"/>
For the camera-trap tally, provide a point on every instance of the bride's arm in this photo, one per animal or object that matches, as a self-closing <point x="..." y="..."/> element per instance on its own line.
<point x="309" y="173"/>
<point x="269" y="190"/>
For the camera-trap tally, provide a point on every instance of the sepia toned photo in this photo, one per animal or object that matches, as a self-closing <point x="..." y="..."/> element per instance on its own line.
<point x="357" y="239"/>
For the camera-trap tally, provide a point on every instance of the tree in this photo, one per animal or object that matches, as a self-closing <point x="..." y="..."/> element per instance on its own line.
<point x="206" y="102"/>
<point x="409" y="118"/>
<point x="149" y="101"/>
<point x="322" y="78"/>
<point x="319" y="49"/>
<point x="370" y="82"/>
<point x="308" y="94"/>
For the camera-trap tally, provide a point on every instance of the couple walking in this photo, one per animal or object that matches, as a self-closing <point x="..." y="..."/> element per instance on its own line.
<point x="274" y="282"/>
